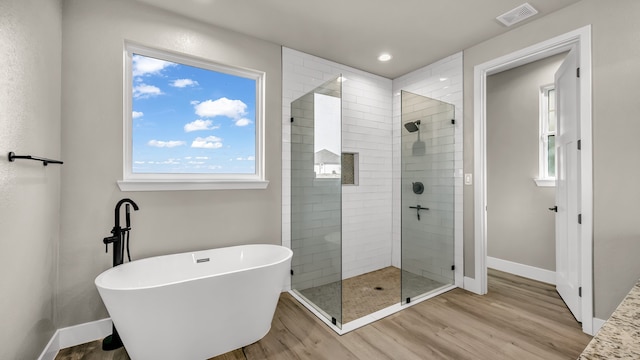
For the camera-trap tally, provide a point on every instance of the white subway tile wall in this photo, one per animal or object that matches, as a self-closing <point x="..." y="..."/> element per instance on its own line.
<point x="441" y="80"/>
<point x="427" y="158"/>
<point x="371" y="128"/>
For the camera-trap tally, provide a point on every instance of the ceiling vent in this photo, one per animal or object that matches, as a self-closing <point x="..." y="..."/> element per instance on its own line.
<point x="518" y="14"/>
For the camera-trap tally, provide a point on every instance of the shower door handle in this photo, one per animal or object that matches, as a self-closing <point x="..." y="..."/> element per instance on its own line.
<point x="418" y="208"/>
<point x="554" y="209"/>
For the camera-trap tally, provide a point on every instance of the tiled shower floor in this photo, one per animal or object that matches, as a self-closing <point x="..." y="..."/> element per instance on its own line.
<point x="360" y="296"/>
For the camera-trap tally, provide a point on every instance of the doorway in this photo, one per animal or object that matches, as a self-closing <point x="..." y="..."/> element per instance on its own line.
<point x="580" y="41"/>
<point x="521" y="128"/>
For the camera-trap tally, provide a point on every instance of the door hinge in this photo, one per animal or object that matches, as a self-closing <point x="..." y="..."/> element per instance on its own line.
<point x="579" y="218"/>
<point x="453" y="267"/>
<point x="579" y="144"/>
<point x="453" y="121"/>
<point x="291" y="271"/>
<point x="292" y="119"/>
<point x="578" y="72"/>
<point x="580" y="291"/>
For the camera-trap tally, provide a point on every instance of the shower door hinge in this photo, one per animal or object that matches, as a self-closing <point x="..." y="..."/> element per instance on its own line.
<point x="292" y="119"/>
<point x="291" y="272"/>
<point x="579" y="144"/>
<point x="579" y="218"/>
<point x="580" y="291"/>
<point x="453" y="267"/>
<point x="453" y="121"/>
<point x="578" y="72"/>
<point x="334" y="321"/>
<point x="408" y="300"/>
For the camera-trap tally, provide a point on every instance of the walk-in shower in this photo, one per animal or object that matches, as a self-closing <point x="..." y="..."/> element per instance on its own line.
<point x="426" y="239"/>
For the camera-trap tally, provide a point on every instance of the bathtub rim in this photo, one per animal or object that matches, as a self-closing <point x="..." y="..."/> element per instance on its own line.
<point x="100" y="283"/>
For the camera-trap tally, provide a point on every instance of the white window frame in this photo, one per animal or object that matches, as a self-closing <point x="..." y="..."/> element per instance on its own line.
<point x="543" y="179"/>
<point x="165" y="181"/>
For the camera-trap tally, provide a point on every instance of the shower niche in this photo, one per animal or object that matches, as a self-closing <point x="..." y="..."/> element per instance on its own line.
<point x="426" y="209"/>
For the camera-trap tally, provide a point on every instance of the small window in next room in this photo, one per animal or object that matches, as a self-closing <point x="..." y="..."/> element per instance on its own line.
<point x="547" y="152"/>
<point x="191" y="124"/>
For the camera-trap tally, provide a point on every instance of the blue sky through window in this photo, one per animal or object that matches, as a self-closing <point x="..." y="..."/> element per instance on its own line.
<point x="191" y="120"/>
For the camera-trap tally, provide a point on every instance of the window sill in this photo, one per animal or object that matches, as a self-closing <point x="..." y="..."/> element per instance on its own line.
<point x="545" y="182"/>
<point x="170" y="185"/>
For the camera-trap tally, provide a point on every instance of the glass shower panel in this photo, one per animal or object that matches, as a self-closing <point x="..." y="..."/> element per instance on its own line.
<point x="316" y="199"/>
<point x="427" y="180"/>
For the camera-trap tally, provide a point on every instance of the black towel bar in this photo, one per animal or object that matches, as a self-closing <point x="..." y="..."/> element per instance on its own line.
<point x="45" y="162"/>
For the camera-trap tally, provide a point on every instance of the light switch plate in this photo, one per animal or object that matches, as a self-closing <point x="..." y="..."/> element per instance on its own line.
<point x="468" y="179"/>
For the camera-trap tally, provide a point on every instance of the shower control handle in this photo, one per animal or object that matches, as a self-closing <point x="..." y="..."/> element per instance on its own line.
<point x="418" y="208"/>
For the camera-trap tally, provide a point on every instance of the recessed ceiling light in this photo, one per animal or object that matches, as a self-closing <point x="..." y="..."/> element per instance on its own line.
<point x="384" y="57"/>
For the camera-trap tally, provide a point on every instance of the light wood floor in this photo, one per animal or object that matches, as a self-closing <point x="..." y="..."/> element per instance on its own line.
<point x="518" y="319"/>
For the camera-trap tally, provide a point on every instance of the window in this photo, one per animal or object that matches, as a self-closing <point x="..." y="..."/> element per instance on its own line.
<point x="191" y="124"/>
<point x="547" y="152"/>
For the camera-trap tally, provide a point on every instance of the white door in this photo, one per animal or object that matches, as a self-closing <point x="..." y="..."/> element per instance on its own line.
<point x="568" y="278"/>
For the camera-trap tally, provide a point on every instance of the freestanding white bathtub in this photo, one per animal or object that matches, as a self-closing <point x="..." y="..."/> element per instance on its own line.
<point x="196" y="305"/>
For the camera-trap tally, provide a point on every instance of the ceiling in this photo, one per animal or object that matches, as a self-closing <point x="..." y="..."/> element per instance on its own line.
<point x="355" y="32"/>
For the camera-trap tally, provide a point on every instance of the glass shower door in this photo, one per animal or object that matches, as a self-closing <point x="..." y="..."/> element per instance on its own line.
<point x="316" y="199"/>
<point x="427" y="180"/>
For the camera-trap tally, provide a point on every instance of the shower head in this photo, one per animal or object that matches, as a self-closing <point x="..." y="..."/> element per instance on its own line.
<point x="412" y="126"/>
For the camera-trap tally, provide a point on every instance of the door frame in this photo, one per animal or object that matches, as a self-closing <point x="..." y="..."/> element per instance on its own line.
<point x="581" y="39"/>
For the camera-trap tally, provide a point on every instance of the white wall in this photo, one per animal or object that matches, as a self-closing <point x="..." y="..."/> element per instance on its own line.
<point x="441" y="80"/>
<point x="366" y="208"/>
<point x="30" y="43"/>
<point x="94" y="32"/>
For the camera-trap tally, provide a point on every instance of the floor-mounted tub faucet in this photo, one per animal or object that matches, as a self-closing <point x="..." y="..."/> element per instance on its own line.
<point x="117" y="238"/>
<point x="118" y="233"/>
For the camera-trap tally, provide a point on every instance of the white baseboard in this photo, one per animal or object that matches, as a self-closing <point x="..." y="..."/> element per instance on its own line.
<point x="597" y="324"/>
<point x="529" y="272"/>
<point x="472" y="285"/>
<point x="75" y="335"/>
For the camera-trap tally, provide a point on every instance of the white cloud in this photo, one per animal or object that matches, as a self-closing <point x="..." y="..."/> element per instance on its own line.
<point x="243" y="122"/>
<point x="251" y="158"/>
<point x="200" y="124"/>
<point x="168" y="144"/>
<point x="144" y="91"/>
<point x="234" y="109"/>
<point x="196" y="162"/>
<point x="143" y="65"/>
<point x="210" y="142"/>
<point x="202" y="158"/>
<point x="194" y="102"/>
<point x="248" y="158"/>
<point x="181" y="83"/>
<point x="137" y="114"/>
<point x="138" y="162"/>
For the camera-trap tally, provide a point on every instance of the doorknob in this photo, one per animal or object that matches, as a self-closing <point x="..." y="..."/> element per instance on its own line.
<point x="554" y="209"/>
